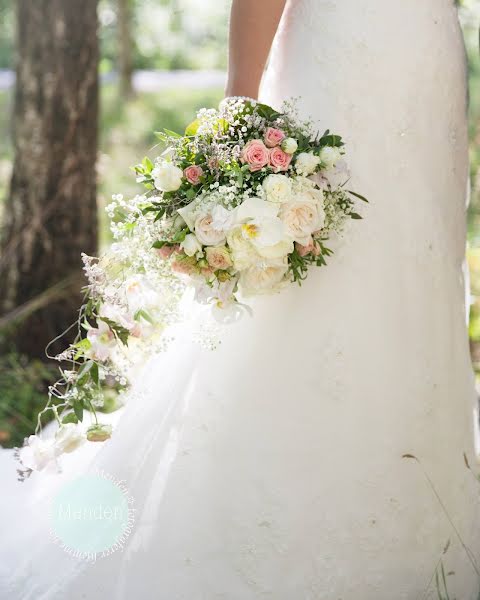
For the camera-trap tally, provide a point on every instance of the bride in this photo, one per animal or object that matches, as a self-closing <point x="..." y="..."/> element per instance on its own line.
<point x="261" y="473"/>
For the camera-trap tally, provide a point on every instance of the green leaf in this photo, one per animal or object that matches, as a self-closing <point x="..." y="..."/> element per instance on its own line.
<point x="163" y="137"/>
<point x="172" y="134"/>
<point x="84" y="371"/>
<point x="331" y="140"/>
<point x="94" y="373"/>
<point x="84" y="344"/>
<point x="355" y="216"/>
<point x="267" y="112"/>
<point x="143" y="314"/>
<point x="159" y="244"/>
<point x="147" y="163"/>
<point x="190" y="193"/>
<point x="192" y="128"/>
<point x="122" y="333"/>
<point x="70" y="418"/>
<point x="181" y="235"/>
<point x="360" y="197"/>
<point x="78" y="409"/>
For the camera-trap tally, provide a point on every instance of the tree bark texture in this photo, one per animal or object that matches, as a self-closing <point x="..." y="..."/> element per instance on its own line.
<point x="50" y="216"/>
<point x="125" y="47"/>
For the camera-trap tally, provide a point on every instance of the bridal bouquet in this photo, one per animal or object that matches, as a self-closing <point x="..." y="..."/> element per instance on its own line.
<point x="240" y="205"/>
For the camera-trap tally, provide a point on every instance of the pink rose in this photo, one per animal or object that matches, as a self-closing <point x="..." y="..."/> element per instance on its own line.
<point x="193" y="174"/>
<point x="255" y="154"/>
<point x="280" y="160"/>
<point x="312" y="247"/>
<point x="165" y="251"/>
<point x="273" y="137"/>
<point x="184" y="265"/>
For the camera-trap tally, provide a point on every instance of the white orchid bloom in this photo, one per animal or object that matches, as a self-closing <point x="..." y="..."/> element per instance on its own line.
<point x="255" y="208"/>
<point x="102" y="341"/>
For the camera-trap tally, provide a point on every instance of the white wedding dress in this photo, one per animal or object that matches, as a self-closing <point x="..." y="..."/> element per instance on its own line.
<point x="271" y="468"/>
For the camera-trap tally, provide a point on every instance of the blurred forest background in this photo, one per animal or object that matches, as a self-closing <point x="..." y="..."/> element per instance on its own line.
<point x="158" y="62"/>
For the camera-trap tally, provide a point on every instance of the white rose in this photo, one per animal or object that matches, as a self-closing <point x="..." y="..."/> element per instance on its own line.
<point x="243" y="252"/>
<point x="167" y="177"/>
<point x="307" y="187"/>
<point x="329" y="156"/>
<point x="37" y="453"/>
<point x="68" y="438"/>
<point x="306" y="163"/>
<point x="289" y="145"/>
<point x="218" y="257"/>
<point x="206" y="232"/>
<point x="191" y="245"/>
<point x="278" y="250"/>
<point x="265" y="278"/>
<point x="278" y="188"/>
<point x="302" y="217"/>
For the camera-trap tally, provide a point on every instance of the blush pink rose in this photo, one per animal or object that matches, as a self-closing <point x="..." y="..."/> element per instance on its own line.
<point x="193" y="174"/>
<point x="255" y="154"/>
<point x="273" y="137"/>
<point x="165" y="251"/>
<point x="184" y="265"/>
<point x="280" y="160"/>
<point x="311" y="248"/>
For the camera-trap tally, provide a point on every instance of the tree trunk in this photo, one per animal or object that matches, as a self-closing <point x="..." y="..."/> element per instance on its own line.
<point x="50" y="214"/>
<point x="125" y="46"/>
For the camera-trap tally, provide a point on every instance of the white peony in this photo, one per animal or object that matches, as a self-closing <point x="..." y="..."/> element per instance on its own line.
<point x="289" y="145"/>
<point x="222" y="219"/>
<point x="37" y="454"/>
<point x="191" y="245"/>
<point x="278" y="188"/>
<point x="263" y="278"/>
<point x="302" y="217"/>
<point x="167" y="177"/>
<point x="68" y="438"/>
<point x="329" y="156"/>
<point x="306" y="163"/>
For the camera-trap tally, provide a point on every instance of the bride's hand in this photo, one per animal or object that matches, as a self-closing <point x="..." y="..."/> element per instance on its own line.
<point x="253" y="24"/>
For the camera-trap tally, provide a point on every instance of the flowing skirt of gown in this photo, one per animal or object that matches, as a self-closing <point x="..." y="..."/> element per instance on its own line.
<point x="271" y="468"/>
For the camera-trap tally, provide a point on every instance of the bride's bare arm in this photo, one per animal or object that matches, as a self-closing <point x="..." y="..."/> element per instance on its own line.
<point x="253" y="25"/>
